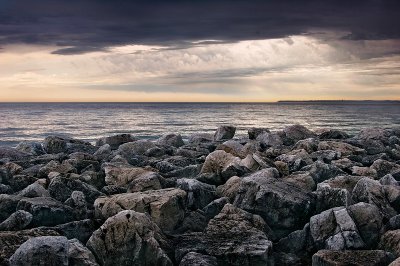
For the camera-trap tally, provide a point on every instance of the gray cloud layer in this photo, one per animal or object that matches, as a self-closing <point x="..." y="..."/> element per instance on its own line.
<point x="81" y="26"/>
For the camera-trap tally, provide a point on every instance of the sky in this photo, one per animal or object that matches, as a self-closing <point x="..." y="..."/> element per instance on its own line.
<point x="208" y="50"/>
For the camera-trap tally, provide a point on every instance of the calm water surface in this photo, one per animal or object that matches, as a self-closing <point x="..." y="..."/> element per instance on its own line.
<point x="89" y="121"/>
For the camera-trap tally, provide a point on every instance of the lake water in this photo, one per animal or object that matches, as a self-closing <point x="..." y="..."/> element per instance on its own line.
<point x="89" y="121"/>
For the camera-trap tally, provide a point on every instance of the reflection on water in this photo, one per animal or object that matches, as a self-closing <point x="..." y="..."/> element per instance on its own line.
<point x="89" y="121"/>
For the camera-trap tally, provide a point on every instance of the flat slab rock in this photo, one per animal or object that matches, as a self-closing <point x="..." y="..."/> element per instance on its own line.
<point x="352" y="257"/>
<point x="165" y="206"/>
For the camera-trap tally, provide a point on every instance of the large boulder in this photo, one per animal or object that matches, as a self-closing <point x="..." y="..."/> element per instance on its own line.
<point x="115" y="141"/>
<point x="297" y="132"/>
<point x="8" y="205"/>
<point x="270" y="139"/>
<point x="224" y="132"/>
<point x="345" y="149"/>
<point x="52" y="249"/>
<point x="198" y="194"/>
<point x="390" y="241"/>
<point x="170" y="140"/>
<point x="139" y="147"/>
<point x="46" y="211"/>
<point x="129" y="238"/>
<point x="284" y="205"/>
<point x="352" y="257"/>
<point x="219" y="166"/>
<point x="17" y="221"/>
<point x="335" y="229"/>
<point x="34" y="148"/>
<point x="10" y="241"/>
<point x="165" y="206"/>
<point x="134" y="178"/>
<point x="383" y="167"/>
<point x="12" y="154"/>
<point x="58" y="144"/>
<point x="296" y="159"/>
<point x="254" y="132"/>
<point x="78" y="254"/>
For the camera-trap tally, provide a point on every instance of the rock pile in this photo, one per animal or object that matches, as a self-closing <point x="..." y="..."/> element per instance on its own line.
<point x="291" y="197"/>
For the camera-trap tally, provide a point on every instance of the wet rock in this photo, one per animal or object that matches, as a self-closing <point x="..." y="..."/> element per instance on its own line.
<point x="115" y="141"/>
<point x="284" y="205"/>
<point x="296" y="159"/>
<point x="256" y="131"/>
<point x="16" y="221"/>
<point x="57" y="144"/>
<point x="10" y="241"/>
<point x="224" y="132"/>
<point x="81" y="230"/>
<point x="198" y="194"/>
<point x="321" y="171"/>
<point x="129" y="238"/>
<point x="165" y="206"/>
<point x="171" y="140"/>
<point x="390" y="241"/>
<point x="78" y="254"/>
<point x="46" y="211"/>
<point x="193" y="258"/>
<point x="352" y="257"/>
<point x="33" y="251"/>
<point x="220" y="166"/>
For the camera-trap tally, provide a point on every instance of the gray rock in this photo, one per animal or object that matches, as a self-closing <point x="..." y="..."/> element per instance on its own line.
<point x="388" y="180"/>
<point x="79" y="255"/>
<point x="193" y="258"/>
<point x="34" y="190"/>
<point x="321" y="171"/>
<point x="198" y="194"/>
<point x="139" y="147"/>
<point x="310" y="145"/>
<point x="34" y="148"/>
<point x="103" y="152"/>
<point x="220" y="166"/>
<point x="296" y="159"/>
<point x="81" y="230"/>
<point x="54" y="166"/>
<point x="254" y="132"/>
<point x="364" y="171"/>
<point x="394" y="222"/>
<point x="129" y="238"/>
<point x="165" y="206"/>
<point x="197" y="138"/>
<point x="10" y="241"/>
<point x="297" y="132"/>
<point x="171" y="140"/>
<point x="329" y="197"/>
<point x="352" y="257"/>
<point x="16" y="221"/>
<point x="332" y="134"/>
<point x="12" y="154"/>
<point x="224" y="132"/>
<point x="284" y="205"/>
<point x="233" y="147"/>
<point x="390" y="241"/>
<point x="32" y="252"/>
<point x="270" y="139"/>
<point x="345" y="149"/>
<point x="57" y="144"/>
<point x="8" y="205"/>
<point x="46" y="211"/>
<point x="230" y="188"/>
<point x="384" y="167"/>
<point x="214" y="207"/>
<point x="115" y="141"/>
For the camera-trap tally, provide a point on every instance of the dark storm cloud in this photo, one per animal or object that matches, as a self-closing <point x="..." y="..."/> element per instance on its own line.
<point x="81" y="26"/>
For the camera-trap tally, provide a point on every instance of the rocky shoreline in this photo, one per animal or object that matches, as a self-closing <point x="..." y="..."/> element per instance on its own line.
<point x="292" y="197"/>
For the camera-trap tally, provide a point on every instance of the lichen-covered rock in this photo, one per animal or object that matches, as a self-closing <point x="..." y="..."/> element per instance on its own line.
<point x="284" y="205"/>
<point x="165" y="206"/>
<point x="52" y="249"/>
<point x="129" y="238"/>
<point x="352" y="257"/>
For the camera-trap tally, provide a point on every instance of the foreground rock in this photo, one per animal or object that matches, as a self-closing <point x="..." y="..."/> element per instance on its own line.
<point x="352" y="257"/>
<point x="129" y="238"/>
